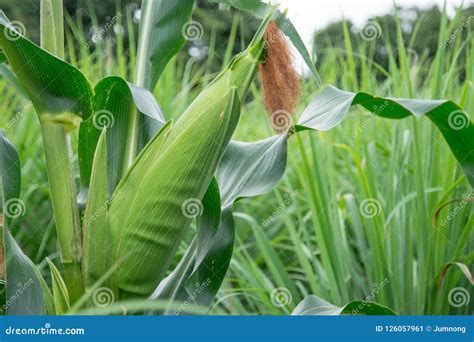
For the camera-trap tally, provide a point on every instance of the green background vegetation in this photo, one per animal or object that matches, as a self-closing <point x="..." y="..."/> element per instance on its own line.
<point x="317" y="241"/>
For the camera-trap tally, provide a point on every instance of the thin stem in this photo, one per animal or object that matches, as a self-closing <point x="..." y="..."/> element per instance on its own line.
<point x="141" y="80"/>
<point x="58" y="154"/>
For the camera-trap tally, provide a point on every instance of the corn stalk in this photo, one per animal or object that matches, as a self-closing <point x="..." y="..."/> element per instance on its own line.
<point x="58" y="153"/>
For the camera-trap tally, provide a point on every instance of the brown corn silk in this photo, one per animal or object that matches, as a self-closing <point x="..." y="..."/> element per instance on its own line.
<point x="279" y="80"/>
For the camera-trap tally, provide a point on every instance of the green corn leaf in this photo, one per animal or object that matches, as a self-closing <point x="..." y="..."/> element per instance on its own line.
<point x="198" y="276"/>
<point x="208" y="222"/>
<point x="251" y="169"/>
<point x="113" y="104"/>
<point x="161" y="37"/>
<point x="331" y="106"/>
<point x="96" y="239"/>
<point x="147" y="229"/>
<point x="59" y="91"/>
<point x="146" y="104"/>
<point x="163" y="25"/>
<point x="212" y="249"/>
<point x="3" y="58"/>
<point x="246" y="169"/>
<point x="260" y="10"/>
<point x="35" y="298"/>
<point x="173" y="288"/>
<point x="313" y="305"/>
<point x="60" y="294"/>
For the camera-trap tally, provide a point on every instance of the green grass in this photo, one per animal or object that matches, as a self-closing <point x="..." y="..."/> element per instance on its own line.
<point x="318" y="241"/>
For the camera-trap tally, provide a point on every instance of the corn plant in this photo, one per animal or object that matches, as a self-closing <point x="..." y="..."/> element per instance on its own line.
<point x="144" y="180"/>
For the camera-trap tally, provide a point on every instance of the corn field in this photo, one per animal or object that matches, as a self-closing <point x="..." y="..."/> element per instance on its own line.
<point x="138" y="180"/>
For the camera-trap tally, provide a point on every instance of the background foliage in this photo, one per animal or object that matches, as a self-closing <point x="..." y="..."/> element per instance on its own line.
<point x="280" y="257"/>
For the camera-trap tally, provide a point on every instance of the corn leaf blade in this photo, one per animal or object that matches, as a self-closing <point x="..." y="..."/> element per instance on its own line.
<point x="314" y="306"/>
<point x="331" y="106"/>
<point x="59" y="91"/>
<point x="60" y="294"/>
<point x="113" y="104"/>
<point x="96" y="234"/>
<point x="35" y="298"/>
<point x="161" y="37"/>
<point x="251" y="169"/>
